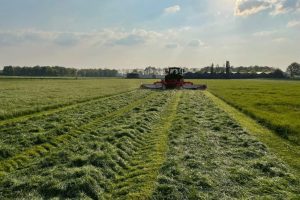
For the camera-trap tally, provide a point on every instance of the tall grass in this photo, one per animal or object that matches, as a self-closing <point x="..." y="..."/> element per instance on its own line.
<point x="25" y="96"/>
<point x="273" y="103"/>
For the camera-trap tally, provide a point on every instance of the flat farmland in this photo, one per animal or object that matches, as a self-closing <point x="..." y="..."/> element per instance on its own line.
<point x="20" y="96"/>
<point x="126" y="143"/>
<point x="273" y="103"/>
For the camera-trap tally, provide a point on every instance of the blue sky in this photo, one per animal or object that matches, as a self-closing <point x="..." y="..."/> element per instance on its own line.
<point x="139" y="33"/>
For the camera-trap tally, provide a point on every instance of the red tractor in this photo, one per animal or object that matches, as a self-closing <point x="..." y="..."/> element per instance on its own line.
<point x="173" y="80"/>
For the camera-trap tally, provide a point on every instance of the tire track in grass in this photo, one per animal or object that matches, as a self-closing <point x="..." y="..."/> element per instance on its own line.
<point x="208" y="155"/>
<point x="58" y="108"/>
<point x="23" y="159"/>
<point x="88" y="165"/>
<point x="138" y="181"/>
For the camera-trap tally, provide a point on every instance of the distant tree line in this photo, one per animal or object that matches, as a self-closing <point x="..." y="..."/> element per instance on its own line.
<point x="57" y="71"/>
<point x="38" y="71"/>
<point x="210" y="72"/>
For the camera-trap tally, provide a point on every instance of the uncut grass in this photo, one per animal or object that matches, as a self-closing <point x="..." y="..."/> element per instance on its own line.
<point x="89" y="165"/>
<point x="24" y="96"/>
<point x="17" y="136"/>
<point x="287" y="151"/>
<point x="211" y="157"/>
<point x="273" y="103"/>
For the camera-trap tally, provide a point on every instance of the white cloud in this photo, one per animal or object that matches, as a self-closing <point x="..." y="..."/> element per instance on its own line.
<point x="66" y="39"/>
<point x="286" y="6"/>
<point x="106" y="37"/>
<point x="185" y="28"/>
<point x="31" y="36"/>
<point x="172" y="9"/>
<point x="280" y="39"/>
<point x="196" y="43"/>
<point x="292" y="24"/>
<point x="134" y="37"/>
<point x="250" y="7"/>
<point x="171" y="46"/>
<point x="25" y="36"/>
<point x="275" y="7"/>
<point x="130" y="40"/>
<point x="264" y="33"/>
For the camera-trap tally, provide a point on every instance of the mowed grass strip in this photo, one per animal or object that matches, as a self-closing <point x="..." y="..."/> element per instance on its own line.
<point x="23" y="159"/>
<point x="288" y="152"/>
<point x="21" y="135"/>
<point x="89" y="165"/>
<point x="58" y="108"/>
<point x="140" y="182"/>
<point x="211" y="156"/>
<point x="273" y="103"/>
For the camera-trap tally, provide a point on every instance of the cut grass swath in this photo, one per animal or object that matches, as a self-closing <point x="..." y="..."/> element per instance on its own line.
<point x="104" y="150"/>
<point x="23" y="158"/>
<point x="173" y="145"/>
<point x="211" y="157"/>
<point x="21" y="135"/>
<point x="139" y="183"/>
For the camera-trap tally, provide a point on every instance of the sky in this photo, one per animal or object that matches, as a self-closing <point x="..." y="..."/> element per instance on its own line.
<point x="140" y="33"/>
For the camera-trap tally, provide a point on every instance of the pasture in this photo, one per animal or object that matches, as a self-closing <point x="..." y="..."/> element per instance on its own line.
<point x="273" y="103"/>
<point x="105" y="139"/>
<point x="20" y="96"/>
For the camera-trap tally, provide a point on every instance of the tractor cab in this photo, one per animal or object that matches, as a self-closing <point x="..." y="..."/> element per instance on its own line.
<point x="174" y="70"/>
<point x="174" y="73"/>
<point x="174" y="77"/>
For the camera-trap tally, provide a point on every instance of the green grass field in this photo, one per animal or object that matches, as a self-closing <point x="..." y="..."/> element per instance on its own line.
<point x="274" y="103"/>
<point x="21" y="96"/>
<point x="108" y="143"/>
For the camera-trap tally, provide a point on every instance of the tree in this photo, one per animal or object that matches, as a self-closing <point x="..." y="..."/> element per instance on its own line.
<point x="293" y="69"/>
<point x="8" y="71"/>
<point x="150" y="71"/>
<point x="277" y="74"/>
